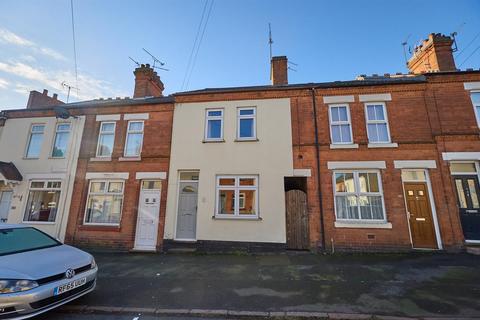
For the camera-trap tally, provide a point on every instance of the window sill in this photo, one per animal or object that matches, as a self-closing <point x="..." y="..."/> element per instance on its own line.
<point x="39" y="222"/>
<point x="383" y="145"/>
<point x="101" y="159"/>
<point x="213" y="141"/>
<point x="256" y="218"/>
<point x="99" y="227"/>
<point x="57" y="158"/>
<point x="344" y="146"/>
<point x="363" y="225"/>
<point x="247" y="140"/>
<point x="31" y="158"/>
<point x="130" y="159"/>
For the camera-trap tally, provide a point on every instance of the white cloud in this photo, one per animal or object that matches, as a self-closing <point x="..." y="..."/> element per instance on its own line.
<point x="9" y="37"/>
<point x="3" y="83"/>
<point x="89" y="87"/>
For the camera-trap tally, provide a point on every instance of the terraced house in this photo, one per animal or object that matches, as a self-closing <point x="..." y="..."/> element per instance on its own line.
<point x="380" y="163"/>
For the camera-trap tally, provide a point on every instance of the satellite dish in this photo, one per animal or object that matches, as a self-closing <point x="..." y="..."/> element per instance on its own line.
<point x="62" y="113"/>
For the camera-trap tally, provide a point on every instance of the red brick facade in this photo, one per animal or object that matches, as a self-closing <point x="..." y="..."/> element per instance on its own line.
<point x="154" y="158"/>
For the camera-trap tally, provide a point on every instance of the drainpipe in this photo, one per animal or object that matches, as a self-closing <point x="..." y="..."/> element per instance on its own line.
<point x="317" y="156"/>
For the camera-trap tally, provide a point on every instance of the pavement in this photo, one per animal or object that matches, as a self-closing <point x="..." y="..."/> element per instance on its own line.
<point x="357" y="286"/>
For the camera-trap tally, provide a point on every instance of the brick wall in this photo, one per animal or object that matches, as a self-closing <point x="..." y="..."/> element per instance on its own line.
<point x="154" y="158"/>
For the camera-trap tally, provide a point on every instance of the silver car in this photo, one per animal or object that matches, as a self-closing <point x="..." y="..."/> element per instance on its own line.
<point x="39" y="273"/>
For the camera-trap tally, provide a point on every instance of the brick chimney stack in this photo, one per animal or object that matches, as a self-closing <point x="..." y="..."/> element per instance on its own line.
<point x="279" y="71"/>
<point x="433" y="55"/>
<point x="41" y="100"/>
<point x="147" y="82"/>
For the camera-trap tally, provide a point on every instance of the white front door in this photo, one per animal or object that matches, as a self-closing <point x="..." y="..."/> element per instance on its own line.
<point x="5" y="199"/>
<point x="148" y="213"/>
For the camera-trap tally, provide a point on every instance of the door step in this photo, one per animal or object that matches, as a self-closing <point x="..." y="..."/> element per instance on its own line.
<point x="181" y="250"/>
<point x="473" y="250"/>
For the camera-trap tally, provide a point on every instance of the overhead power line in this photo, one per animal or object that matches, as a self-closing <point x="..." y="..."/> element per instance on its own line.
<point x="468" y="45"/>
<point x="199" y="43"/>
<point x="471" y="54"/>
<point x="74" y="48"/>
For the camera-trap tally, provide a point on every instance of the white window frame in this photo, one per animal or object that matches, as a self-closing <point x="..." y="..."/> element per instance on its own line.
<point x="29" y="140"/>
<point x="368" y="121"/>
<point x="44" y="188"/>
<point x="236" y="188"/>
<point x="55" y="138"/>
<point x="249" y="116"/>
<point x="100" y="133"/>
<point x="476" y="107"/>
<point x="207" y="118"/>
<point x="133" y="132"/>
<point x="331" y="123"/>
<point x="357" y="193"/>
<point x="105" y="192"/>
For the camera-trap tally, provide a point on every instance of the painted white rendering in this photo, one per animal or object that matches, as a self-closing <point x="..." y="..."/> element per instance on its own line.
<point x="52" y="171"/>
<point x="264" y="160"/>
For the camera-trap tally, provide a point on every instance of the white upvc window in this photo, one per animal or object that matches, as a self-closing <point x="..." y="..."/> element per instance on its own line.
<point x="340" y="124"/>
<point x="358" y="196"/>
<point x="214" y="124"/>
<point x="106" y="139"/>
<point x="42" y="202"/>
<point x="35" y="139"/>
<point x="60" y="143"/>
<point x="237" y="197"/>
<point x="134" y="140"/>
<point x="104" y="202"/>
<point x="246" y="123"/>
<point x="377" y="122"/>
<point x="476" y="105"/>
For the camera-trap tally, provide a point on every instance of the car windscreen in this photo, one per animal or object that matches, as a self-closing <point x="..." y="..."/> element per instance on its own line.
<point x="15" y="240"/>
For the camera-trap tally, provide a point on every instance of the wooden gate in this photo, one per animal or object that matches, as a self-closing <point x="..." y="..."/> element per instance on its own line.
<point x="297" y="220"/>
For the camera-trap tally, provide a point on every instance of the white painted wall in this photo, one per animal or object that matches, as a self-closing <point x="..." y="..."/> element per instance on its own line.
<point x="270" y="158"/>
<point x="13" y="141"/>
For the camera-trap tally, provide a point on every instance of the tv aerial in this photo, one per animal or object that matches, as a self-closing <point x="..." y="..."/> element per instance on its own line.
<point x="69" y="87"/>
<point x="155" y="60"/>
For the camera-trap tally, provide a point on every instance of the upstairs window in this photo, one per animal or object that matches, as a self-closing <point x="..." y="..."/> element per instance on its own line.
<point x="42" y="202"/>
<point x="377" y="124"/>
<point x="358" y="196"/>
<point x="106" y="139"/>
<point x="214" y="125"/>
<point x="340" y="125"/>
<point x="246" y="124"/>
<point x="35" y="140"/>
<point x="476" y="105"/>
<point x="134" y="141"/>
<point x="62" y="133"/>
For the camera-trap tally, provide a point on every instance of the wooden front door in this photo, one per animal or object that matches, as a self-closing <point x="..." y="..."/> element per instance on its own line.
<point x="297" y="220"/>
<point x="420" y="216"/>
<point x="468" y="195"/>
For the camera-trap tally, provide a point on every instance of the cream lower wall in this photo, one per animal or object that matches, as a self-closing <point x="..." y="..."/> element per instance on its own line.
<point x="270" y="158"/>
<point x="13" y="143"/>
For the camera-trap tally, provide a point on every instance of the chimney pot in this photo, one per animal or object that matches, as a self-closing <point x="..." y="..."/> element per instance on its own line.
<point x="45" y="92"/>
<point x="55" y="96"/>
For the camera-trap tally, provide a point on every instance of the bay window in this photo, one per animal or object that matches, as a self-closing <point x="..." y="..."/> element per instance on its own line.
<point x="104" y="203"/>
<point x="42" y="201"/>
<point x="237" y="196"/>
<point x="358" y="196"/>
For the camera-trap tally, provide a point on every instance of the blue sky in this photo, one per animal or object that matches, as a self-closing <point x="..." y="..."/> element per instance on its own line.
<point x="329" y="40"/>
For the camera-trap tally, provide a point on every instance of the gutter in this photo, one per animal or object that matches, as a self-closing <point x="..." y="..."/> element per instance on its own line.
<point x="317" y="157"/>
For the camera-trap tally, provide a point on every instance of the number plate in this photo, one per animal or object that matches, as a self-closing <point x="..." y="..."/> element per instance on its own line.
<point x="69" y="286"/>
